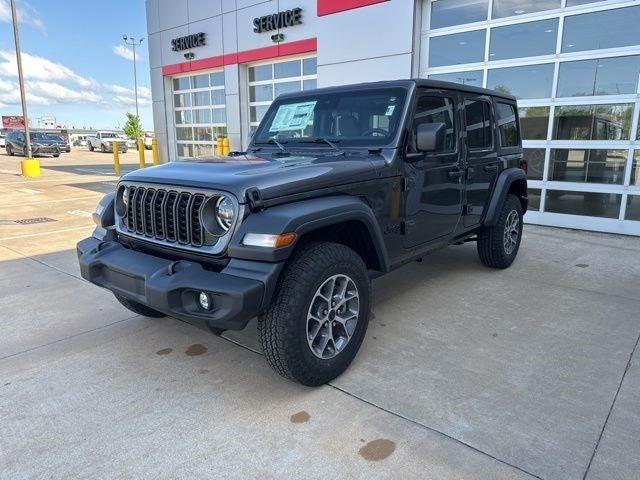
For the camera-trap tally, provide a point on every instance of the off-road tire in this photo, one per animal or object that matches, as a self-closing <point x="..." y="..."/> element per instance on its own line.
<point x="283" y="327"/>
<point x="138" y="308"/>
<point x="491" y="246"/>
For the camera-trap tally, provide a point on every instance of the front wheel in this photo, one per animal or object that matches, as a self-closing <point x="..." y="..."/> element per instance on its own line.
<point x="498" y="245"/>
<point x="317" y="320"/>
<point x="103" y="149"/>
<point x="90" y="147"/>
<point x="9" y="151"/>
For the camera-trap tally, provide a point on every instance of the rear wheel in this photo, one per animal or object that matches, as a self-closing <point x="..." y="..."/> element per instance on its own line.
<point x="138" y="308"/>
<point x="318" y="318"/>
<point x="499" y="245"/>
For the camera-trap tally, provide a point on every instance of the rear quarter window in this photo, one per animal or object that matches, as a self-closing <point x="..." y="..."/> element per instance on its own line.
<point x="507" y="125"/>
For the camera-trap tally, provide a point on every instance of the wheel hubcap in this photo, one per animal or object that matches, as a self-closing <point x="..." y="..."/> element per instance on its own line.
<point x="332" y="316"/>
<point x="511" y="232"/>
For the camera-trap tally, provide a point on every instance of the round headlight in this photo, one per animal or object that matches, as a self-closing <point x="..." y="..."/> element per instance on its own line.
<point x="122" y="200"/>
<point x="225" y="212"/>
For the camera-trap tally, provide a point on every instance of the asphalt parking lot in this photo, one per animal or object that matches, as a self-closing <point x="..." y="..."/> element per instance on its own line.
<point x="466" y="373"/>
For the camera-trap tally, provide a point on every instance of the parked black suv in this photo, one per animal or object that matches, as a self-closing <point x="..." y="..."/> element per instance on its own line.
<point x="338" y="185"/>
<point x="41" y="144"/>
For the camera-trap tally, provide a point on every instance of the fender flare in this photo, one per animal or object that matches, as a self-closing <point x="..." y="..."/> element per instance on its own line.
<point x="503" y="183"/>
<point x="304" y="217"/>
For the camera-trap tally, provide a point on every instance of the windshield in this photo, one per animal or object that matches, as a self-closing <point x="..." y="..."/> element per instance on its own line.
<point x="39" y="136"/>
<point x="109" y="135"/>
<point x="350" y="118"/>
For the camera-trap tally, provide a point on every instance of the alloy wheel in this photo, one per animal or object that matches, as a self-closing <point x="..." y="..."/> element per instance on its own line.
<point x="511" y="232"/>
<point x="332" y="316"/>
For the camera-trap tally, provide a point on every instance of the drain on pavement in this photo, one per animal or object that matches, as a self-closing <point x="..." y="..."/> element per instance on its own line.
<point x="31" y="221"/>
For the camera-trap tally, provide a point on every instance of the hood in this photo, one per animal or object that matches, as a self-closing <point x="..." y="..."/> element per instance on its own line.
<point x="274" y="177"/>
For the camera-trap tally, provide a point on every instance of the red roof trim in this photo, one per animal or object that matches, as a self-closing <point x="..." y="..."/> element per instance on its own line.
<point x="327" y="7"/>
<point x="265" y="53"/>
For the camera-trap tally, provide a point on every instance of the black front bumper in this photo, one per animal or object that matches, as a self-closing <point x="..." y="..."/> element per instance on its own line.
<point x="239" y="292"/>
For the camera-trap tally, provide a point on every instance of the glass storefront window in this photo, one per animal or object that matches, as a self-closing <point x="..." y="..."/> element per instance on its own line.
<point x="197" y="124"/>
<point x="508" y="8"/>
<point x="593" y="122"/>
<point x="447" y="13"/>
<point x="472" y="77"/>
<point x="590" y="204"/>
<point x="635" y="169"/>
<point x="266" y="82"/>
<point x="534" y="122"/>
<point x="588" y="166"/>
<point x="467" y="47"/>
<point x="605" y="29"/>
<point x="535" y="161"/>
<point x="529" y="81"/>
<point x="286" y="69"/>
<point x="524" y="40"/>
<point x="633" y="208"/>
<point x="534" y="195"/>
<point x="601" y="76"/>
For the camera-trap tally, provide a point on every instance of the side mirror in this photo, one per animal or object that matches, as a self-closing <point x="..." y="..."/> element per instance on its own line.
<point x="430" y="137"/>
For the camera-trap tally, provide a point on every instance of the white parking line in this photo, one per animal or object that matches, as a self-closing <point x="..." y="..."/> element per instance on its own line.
<point x="60" y="200"/>
<point x="51" y="232"/>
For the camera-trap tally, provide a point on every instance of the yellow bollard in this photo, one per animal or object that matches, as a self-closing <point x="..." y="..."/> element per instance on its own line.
<point x="30" y="167"/>
<point x="216" y="148"/>
<point x="141" y="152"/>
<point x="116" y="158"/>
<point x="225" y="147"/>
<point x="154" y="151"/>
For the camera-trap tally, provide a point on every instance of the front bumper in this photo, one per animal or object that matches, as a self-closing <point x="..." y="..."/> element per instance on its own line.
<point x="45" y="150"/>
<point x="239" y="292"/>
<point x="122" y="148"/>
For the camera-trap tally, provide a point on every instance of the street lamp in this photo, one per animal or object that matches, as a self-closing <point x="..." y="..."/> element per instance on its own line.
<point x="23" y="99"/>
<point x="133" y="42"/>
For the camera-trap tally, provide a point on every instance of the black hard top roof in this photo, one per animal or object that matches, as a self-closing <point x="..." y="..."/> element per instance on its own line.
<point x="420" y="82"/>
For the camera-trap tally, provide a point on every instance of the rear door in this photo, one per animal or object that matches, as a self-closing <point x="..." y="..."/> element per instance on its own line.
<point x="481" y="158"/>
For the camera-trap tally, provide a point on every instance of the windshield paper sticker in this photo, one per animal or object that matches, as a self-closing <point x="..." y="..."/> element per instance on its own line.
<point x="295" y="116"/>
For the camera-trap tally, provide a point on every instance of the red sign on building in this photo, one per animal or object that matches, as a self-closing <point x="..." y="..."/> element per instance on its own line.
<point x="15" y="121"/>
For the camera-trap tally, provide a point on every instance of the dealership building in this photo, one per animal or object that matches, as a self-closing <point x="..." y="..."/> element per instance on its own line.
<point x="216" y="65"/>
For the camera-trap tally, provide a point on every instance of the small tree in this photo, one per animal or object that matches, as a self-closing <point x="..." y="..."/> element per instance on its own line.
<point x="132" y="127"/>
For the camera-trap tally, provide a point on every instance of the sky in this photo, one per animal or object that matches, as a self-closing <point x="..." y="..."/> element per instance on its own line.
<point x="77" y="68"/>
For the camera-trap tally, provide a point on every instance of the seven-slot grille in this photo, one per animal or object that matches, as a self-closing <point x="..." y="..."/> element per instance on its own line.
<point x="166" y="215"/>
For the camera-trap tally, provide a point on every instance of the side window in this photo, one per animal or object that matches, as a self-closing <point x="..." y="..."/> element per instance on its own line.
<point x="431" y="109"/>
<point x="478" y="124"/>
<point x="507" y="125"/>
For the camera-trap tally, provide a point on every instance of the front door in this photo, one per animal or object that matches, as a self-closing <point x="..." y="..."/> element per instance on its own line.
<point x="481" y="157"/>
<point x="434" y="182"/>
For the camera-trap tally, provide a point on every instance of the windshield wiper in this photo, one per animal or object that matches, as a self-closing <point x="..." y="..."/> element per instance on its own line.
<point x="273" y="141"/>
<point x="328" y="142"/>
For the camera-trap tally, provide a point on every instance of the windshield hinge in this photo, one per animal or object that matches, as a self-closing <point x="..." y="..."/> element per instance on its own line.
<point x="254" y="198"/>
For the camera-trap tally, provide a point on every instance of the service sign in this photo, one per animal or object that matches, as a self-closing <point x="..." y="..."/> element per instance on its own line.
<point x="279" y="20"/>
<point x="15" y="121"/>
<point x="188" y="42"/>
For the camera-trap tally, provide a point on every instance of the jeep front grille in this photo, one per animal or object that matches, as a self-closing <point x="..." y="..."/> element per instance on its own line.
<point x="166" y="215"/>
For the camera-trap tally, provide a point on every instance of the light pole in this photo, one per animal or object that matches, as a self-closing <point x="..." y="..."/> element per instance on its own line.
<point x="23" y="99"/>
<point x="133" y="42"/>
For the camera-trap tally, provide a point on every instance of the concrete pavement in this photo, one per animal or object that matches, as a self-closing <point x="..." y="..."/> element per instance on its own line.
<point x="532" y="372"/>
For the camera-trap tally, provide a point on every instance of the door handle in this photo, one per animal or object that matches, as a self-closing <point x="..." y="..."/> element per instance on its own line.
<point x="457" y="173"/>
<point x="490" y="168"/>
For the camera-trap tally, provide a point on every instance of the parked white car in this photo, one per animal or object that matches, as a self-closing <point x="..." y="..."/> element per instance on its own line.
<point x="148" y="139"/>
<point x="3" y="141"/>
<point x="103" y="141"/>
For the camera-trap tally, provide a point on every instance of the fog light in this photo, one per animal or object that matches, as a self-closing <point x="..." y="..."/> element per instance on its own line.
<point x="205" y="300"/>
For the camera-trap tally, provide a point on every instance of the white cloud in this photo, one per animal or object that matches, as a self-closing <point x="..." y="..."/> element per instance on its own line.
<point x="26" y="14"/>
<point x="123" y="52"/>
<point x="39" y="68"/>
